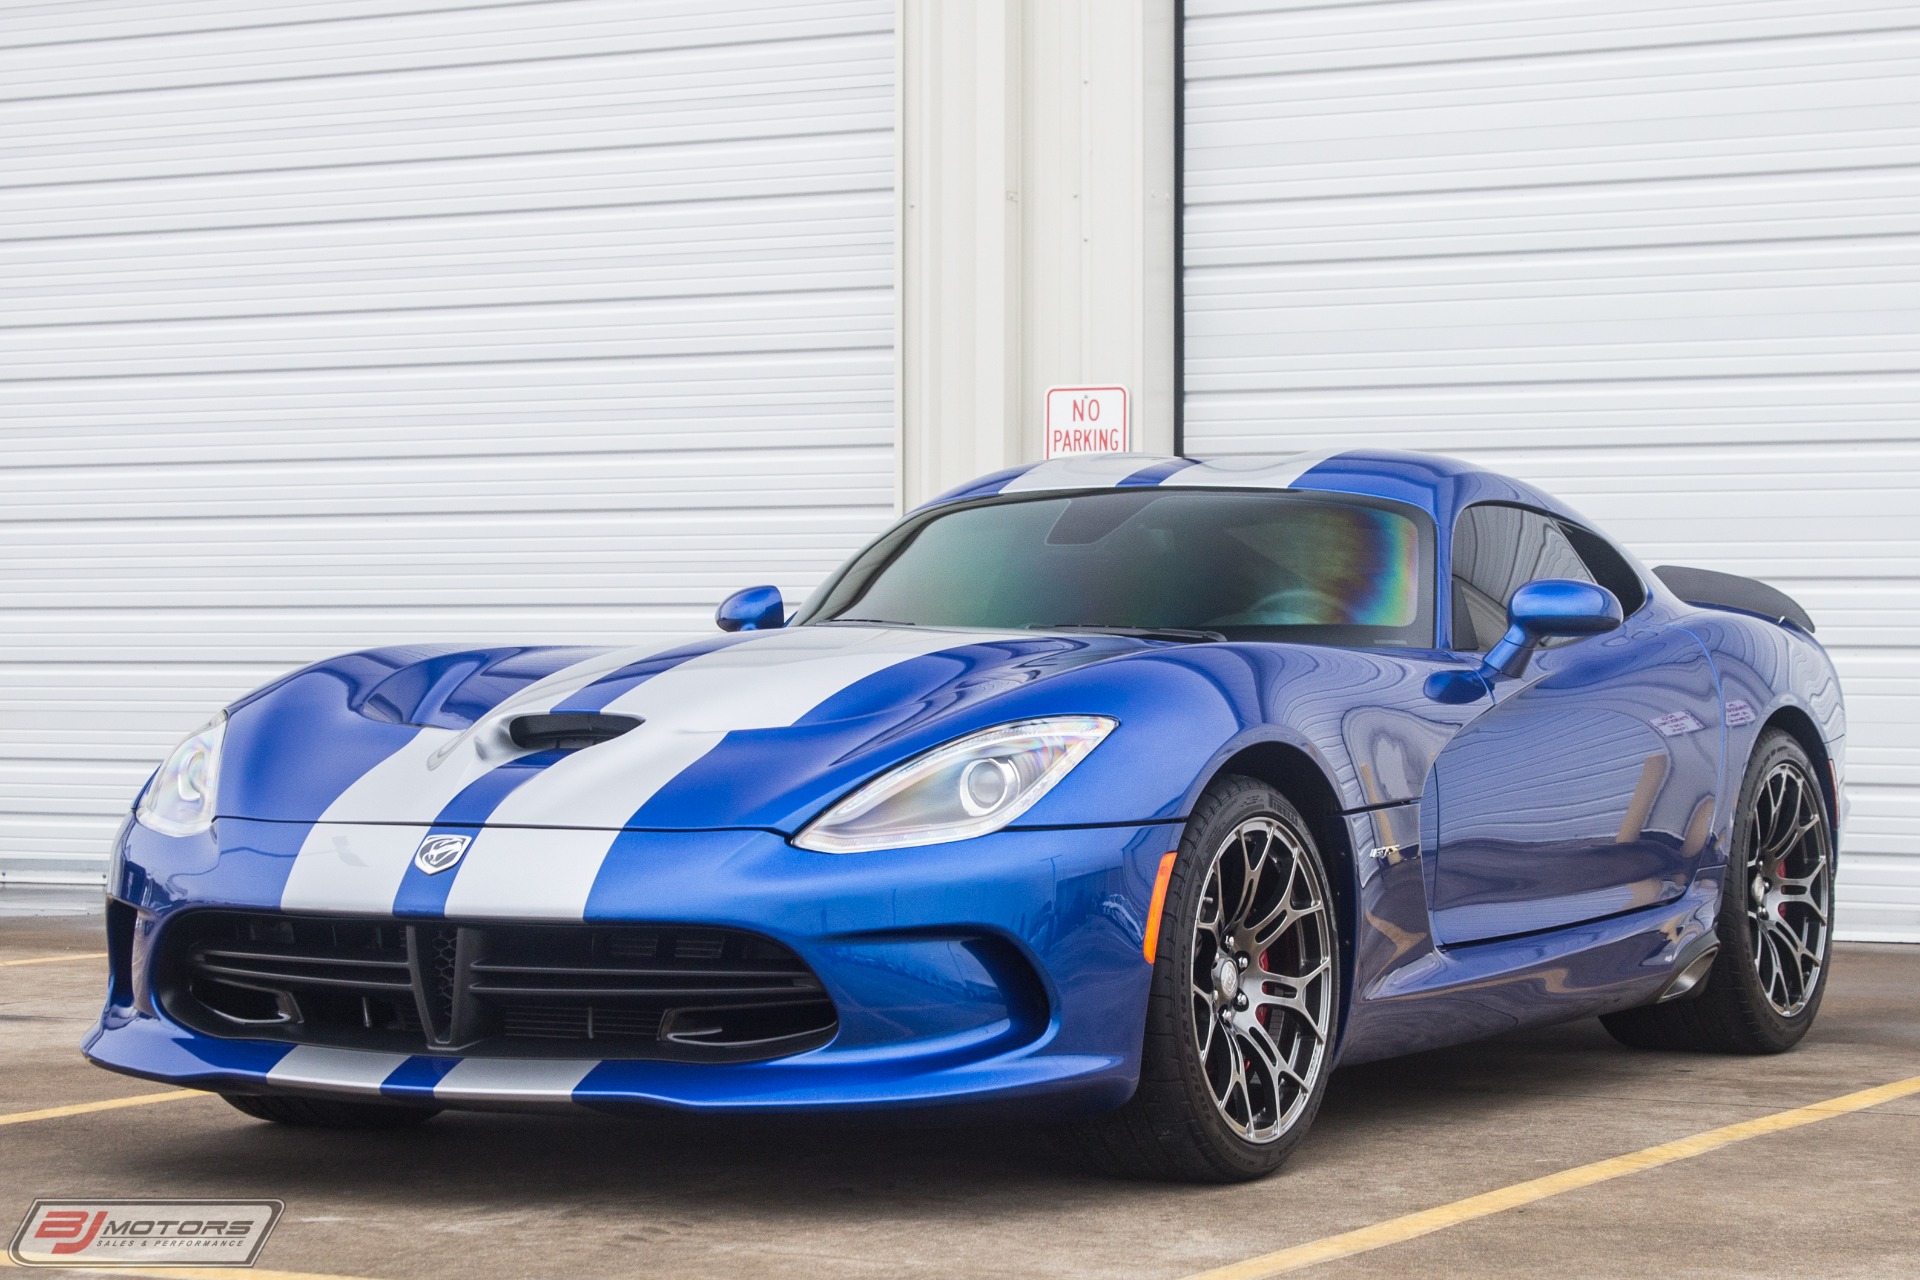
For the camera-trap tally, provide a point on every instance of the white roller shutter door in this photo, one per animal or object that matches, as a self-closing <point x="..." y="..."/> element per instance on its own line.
<point x="325" y="325"/>
<point x="1660" y="256"/>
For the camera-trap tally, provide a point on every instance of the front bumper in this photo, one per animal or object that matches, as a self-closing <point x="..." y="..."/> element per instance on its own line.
<point x="1003" y="973"/>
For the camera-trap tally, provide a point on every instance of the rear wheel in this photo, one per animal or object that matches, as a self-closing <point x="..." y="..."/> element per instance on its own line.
<point x="1776" y="921"/>
<point x="330" y="1113"/>
<point x="1245" y="997"/>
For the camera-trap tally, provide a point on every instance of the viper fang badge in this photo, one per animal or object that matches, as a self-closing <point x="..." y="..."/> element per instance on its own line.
<point x="438" y="853"/>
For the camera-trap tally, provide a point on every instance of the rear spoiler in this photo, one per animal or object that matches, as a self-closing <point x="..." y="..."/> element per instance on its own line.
<point x="1710" y="590"/>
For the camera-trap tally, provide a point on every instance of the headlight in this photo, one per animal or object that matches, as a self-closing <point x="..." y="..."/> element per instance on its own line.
<point x="967" y="788"/>
<point x="180" y="799"/>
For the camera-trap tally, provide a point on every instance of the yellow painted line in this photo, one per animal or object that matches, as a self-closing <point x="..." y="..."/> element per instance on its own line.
<point x="109" y="1104"/>
<point x="181" y="1273"/>
<point x="81" y="955"/>
<point x="1414" y="1225"/>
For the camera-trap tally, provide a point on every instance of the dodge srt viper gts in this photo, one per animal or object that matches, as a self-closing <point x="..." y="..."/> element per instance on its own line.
<point x="1129" y="793"/>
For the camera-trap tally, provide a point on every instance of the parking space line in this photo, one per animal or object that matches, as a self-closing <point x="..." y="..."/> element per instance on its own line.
<point x="108" y="1104"/>
<point x="80" y="955"/>
<point x="1414" y="1225"/>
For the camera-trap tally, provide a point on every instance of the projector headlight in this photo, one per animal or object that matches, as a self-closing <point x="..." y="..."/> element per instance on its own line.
<point x="970" y="787"/>
<point x="180" y="800"/>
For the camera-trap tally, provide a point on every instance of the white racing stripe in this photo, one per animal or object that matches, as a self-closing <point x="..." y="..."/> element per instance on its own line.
<point x="1100" y="471"/>
<point x="522" y="871"/>
<point x="514" y="1079"/>
<point x="764" y="683"/>
<point x="1248" y="473"/>
<point x="359" y="868"/>
<point x="471" y="1079"/>
<point x="347" y="867"/>
<point x="335" y="1068"/>
<point x="1108" y="470"/>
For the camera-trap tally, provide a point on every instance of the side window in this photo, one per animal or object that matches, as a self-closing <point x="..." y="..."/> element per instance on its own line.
<point x="1609" y="568"/>
<point x="1496" y="551"/>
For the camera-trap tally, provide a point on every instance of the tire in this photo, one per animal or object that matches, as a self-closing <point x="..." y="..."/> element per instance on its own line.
<point x="1194" y="1116"/>
<point x="1765" y="986"/>
<point x="329" y="1113"/>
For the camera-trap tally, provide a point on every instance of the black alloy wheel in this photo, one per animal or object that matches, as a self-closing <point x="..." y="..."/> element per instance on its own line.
<point x="1776" y="921"/>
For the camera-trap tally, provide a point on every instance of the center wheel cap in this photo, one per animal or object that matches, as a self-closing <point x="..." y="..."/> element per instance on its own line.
<point x="1226" y="978"/>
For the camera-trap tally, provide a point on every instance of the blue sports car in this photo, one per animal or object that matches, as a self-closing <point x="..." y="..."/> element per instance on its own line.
<point x="1129" y="793"/>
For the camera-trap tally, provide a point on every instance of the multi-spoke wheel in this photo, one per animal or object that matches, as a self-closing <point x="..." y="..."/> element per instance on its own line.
<point x="1245" y="999"/>
<point x="1262" y="978"/>
<point x="1789" y="888"/>
<point x="1776" y="921"/>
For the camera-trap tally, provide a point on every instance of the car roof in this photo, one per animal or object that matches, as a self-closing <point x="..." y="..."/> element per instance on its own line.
<point x="1439" y="485"/>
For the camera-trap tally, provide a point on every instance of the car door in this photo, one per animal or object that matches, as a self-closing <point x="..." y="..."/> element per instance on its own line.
<point x="1585" y="787"/>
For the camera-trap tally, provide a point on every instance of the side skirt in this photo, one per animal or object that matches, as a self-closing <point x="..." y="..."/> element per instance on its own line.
<point x="1436" y="997"/>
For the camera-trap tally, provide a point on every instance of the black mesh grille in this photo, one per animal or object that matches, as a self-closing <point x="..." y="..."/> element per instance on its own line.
<point x="703" y="947"/>
<point x="579" y="1023"/>
<point x="442" y="947"/>
<point x="618" y="991"/>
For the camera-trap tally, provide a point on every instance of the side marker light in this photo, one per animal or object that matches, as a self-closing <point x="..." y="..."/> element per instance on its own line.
<point x="1158" y="904"/>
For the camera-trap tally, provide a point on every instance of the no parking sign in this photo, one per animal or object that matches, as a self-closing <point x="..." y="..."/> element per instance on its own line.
<point x="1082" y="420"/>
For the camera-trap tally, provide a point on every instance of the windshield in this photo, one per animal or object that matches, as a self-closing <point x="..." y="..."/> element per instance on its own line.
<point x="1319" y="569"/>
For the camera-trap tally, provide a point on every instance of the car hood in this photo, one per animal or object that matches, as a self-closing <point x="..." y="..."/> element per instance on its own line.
<point x="757" y="729"/>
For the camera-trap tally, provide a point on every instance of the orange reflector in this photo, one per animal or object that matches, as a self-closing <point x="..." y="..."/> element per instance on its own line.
<point x="1158" y="904"/>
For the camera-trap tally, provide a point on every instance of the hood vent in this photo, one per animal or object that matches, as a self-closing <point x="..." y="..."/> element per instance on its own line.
<point x="568" y="732"/>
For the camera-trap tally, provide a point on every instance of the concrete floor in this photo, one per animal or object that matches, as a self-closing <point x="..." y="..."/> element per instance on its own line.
<point x="473" y="1196"/>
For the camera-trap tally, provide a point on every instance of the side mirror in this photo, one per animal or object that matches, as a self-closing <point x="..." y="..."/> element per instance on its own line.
<point x="1547" y="609"/>
<point x="754" y="609"/>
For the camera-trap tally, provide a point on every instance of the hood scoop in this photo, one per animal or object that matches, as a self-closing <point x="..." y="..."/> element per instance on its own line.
<point x="568" y="731"/>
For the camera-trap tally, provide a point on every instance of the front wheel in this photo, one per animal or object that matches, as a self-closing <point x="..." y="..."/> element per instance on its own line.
<point x="1776" y="921"/>
<point x="1244" y="1001"/>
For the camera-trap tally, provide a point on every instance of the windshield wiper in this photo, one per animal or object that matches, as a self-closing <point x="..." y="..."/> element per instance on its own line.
<point x="1145" y="633"/>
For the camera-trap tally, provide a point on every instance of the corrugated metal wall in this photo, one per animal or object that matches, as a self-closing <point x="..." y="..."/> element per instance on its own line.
<point x="1660" y="256"/>
<point x="331" y="324"/>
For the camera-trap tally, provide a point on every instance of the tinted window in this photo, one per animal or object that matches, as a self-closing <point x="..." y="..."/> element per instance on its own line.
<point x="1496" y="551"/>
<point x="1275" y="566"/>
<point x="1609" y="568"/>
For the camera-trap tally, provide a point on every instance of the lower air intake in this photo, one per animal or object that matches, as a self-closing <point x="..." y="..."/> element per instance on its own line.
<point x="513" y="990"/>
